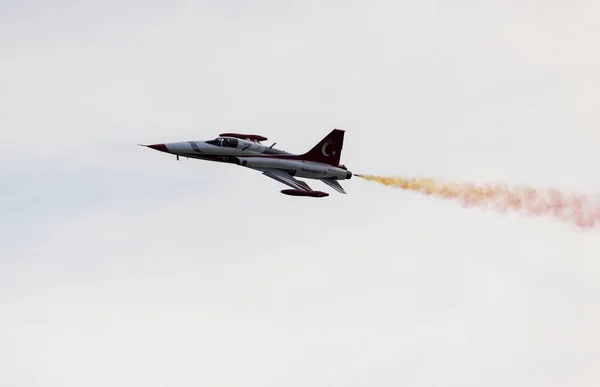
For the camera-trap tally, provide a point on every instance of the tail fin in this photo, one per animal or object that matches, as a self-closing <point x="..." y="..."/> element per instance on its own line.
<point x="328" y="150"/>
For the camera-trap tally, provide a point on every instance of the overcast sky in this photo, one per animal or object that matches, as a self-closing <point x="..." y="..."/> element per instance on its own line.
<point x="120" y="266"/>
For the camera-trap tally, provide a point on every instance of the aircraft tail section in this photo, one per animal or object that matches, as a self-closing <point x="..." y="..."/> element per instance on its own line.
<point x="328" y="150"/>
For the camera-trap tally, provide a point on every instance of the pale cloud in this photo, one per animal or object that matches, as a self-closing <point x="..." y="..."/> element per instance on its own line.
<point x="120" y="265"/>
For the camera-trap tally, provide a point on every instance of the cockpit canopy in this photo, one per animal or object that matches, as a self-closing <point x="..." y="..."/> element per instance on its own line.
<point x="224" y="142"/>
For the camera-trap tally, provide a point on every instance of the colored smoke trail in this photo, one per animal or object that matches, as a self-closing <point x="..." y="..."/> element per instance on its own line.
<point x="579" y="209"/>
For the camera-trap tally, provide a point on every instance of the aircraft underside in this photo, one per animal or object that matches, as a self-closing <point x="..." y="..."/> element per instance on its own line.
<point x="287" y="172"/>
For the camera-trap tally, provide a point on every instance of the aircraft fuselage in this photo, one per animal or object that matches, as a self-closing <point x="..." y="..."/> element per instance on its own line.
<point x="255" y="156"/>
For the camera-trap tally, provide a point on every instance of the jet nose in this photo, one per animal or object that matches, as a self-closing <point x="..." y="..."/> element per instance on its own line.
<point x="159" y="147"/>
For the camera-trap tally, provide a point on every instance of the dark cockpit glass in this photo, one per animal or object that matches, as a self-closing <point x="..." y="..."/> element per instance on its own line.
<point x="230" y="142"/>
<point x="224" y="142"/>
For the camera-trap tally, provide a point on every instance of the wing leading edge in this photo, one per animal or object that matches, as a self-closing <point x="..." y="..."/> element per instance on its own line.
<point x="334" y="184"/>
<point x="287" y="179"/>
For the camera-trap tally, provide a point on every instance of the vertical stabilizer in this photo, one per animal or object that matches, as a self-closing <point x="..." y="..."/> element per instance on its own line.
<point x="328" y="150"/>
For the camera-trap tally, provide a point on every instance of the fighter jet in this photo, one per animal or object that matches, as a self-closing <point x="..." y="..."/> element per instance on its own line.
<point x="322" y="162"/>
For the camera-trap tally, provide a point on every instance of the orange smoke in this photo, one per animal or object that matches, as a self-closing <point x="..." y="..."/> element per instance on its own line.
<point x="579" y="209"/>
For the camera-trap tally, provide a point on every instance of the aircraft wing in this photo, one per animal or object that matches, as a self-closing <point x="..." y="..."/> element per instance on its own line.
<point x="287" y="179"/>
<point x="334" y="184"/>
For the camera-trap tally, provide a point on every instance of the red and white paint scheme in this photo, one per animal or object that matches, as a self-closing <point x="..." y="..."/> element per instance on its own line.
<point x="322" y="162"/>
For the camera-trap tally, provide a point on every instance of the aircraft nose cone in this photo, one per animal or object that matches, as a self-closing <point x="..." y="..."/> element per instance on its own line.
<point x="159" y="147"/>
